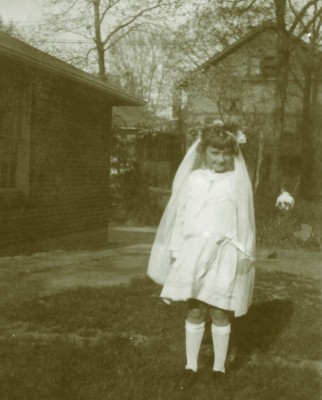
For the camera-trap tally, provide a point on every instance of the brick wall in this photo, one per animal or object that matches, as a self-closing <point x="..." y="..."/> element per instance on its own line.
<point x="69" y="161"/>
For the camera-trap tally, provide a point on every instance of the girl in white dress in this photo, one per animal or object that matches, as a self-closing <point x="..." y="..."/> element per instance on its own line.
<point x="204" y="246"/>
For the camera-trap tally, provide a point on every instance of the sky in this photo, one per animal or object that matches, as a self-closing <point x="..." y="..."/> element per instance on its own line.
<point x="20" y="10"/>
<point x="30" y="10"/>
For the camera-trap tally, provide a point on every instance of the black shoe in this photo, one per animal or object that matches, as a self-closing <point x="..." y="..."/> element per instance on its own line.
<point x="187" y="379"/>
<point x="218" y="376"/>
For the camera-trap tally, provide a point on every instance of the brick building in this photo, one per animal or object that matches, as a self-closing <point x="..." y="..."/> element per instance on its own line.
<point x="55" y="132"/>
<point x="238" y="84"/>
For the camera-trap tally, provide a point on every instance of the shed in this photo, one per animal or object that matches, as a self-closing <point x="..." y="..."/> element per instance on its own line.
<point x="152" y="140"/>
<point x="55" y="135"/>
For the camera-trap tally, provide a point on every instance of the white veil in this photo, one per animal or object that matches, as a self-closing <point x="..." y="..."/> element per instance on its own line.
<point x="160" y="257"/>
<point x="245" y="206"/>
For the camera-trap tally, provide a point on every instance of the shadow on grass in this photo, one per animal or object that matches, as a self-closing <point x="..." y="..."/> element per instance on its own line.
<point x="127" y="354"/>
<point x="259" y="329"/>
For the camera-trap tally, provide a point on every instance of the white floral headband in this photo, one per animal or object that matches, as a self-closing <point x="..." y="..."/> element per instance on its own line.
<point x="238" y="136"/>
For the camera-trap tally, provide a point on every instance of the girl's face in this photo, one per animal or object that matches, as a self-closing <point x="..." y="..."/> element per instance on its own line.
<point x="219" y="160"/>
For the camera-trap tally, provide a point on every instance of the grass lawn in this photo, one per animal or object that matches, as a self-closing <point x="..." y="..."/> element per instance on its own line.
<point x="123" y="342"/>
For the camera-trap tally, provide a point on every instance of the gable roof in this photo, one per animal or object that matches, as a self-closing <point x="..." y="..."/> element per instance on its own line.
<point x="21" y="51"/>
<point x="131" y="117"/>
<point x="239" y="43"/>
<point x="269" y="25"/>
<point x="230" y="49"/>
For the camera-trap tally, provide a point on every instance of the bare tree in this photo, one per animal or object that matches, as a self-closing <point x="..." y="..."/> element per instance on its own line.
<point x="300" y="24"/>
<point x="143" y="64"/>
<point x="8" y="28"/>
<point x="291" y="18"/>
<point x="310" y="62"/>
<point x="214" y="25"/>
<point x="104" y="23"/>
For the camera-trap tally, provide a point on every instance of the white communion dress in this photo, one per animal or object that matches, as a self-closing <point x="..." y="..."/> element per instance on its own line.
<point x="206" y="247"/>
<point x="208" y="226"/>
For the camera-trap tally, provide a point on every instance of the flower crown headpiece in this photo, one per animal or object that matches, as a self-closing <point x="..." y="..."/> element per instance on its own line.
<point x="238" y="136"/>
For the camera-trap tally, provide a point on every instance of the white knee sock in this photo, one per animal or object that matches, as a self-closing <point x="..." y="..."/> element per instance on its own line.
<point x="220" y="338"/>
<point x="194" y="335"/>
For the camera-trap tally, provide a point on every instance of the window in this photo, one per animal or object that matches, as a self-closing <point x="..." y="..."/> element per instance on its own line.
<point x="231" y="105"/>
<point x="184" y="97"/>
<point x="14" y="138"/>
<point x="269" y="66"/>
<point x="262" y="67"/>
<point x="254" y="66"/>
<point x="234" y="105"/>
<point x="9" y="138"/>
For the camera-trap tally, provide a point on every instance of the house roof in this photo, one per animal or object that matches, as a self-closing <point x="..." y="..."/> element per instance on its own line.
<point x="140" y="119"/>
<point x="21" y="51"/>
<point x="131" y="117"/>
<point x="136" y="117"/>
<point x="230" y="49"/>
<point x="239" y="43"/>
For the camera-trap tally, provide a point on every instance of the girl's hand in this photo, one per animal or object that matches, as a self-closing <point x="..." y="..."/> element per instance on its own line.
<point x="243" y="266"/>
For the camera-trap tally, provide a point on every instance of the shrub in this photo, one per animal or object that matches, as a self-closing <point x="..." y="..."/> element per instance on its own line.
<point x="276" y="229"/>
<point x="130" y="199"/>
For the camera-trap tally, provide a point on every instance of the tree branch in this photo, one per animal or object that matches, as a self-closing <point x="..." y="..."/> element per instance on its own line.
<point x="69" y="8"/>
<point x="300" y="15"/>
<point x="296" y="79"/>
<point x="309" y="23"/>
<point x="107" y="8"/>
<point x="121" y="37"/>
<point x="89" y="52"/>
<point x="292" y="8"/>
<point x="318" y="29"/>
<point x="247" y="8"/>
<point x="130" y="21"/>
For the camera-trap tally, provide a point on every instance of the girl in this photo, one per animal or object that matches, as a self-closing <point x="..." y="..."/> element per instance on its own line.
<point x="204" y="245"/>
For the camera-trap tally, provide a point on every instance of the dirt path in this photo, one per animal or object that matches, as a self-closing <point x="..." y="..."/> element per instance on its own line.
<point x="44" y="273"/>
<point x="87" y="261"/>
<point x="299" y="262"/>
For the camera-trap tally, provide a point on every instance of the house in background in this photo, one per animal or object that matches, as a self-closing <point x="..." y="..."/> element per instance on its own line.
<point x="238" y="85"/>
<point x="152" y="141"/>
<point x="55" y="139"/>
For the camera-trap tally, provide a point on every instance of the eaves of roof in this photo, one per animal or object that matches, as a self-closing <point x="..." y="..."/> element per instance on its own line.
<point x="239" y="43"/>
<point x="23" y="52"/>
<point x="229" y="49"/>
<point x="234" y="46"/>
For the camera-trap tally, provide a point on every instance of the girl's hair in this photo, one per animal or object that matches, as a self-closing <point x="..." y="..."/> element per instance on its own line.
<point x="222" y="137"/>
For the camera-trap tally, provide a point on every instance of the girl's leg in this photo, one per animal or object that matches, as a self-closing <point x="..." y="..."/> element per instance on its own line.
<point x="220" y="330"/>
<point x="195" y="327"/>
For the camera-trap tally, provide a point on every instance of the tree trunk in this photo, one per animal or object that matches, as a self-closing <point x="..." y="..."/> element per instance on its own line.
<point x="306" y="138"/>
<point x="101" y="63"/>
<point x="282" y="71"/>
<point x="259" y="162"/>
<point x="98" y="41"/>
<point x="310" y="95"/>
